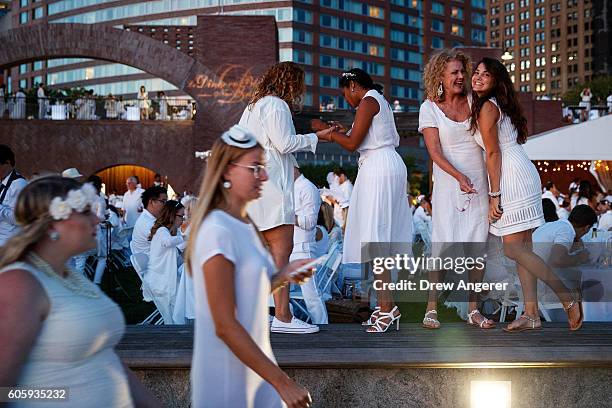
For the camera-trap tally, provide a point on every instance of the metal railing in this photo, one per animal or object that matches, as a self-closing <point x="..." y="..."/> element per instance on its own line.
<point x="97" y="108"/>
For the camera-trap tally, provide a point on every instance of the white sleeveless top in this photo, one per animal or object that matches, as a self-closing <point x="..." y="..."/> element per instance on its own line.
<point x="382" y="132"/>
<point x="75" y="348"/>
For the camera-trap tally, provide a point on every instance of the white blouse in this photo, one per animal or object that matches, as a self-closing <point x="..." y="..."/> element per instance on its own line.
<point x="271" y="122"/>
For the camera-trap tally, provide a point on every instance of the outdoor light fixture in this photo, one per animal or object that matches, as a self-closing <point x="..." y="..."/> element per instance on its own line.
<point x="507" y="56"/>
<point x="490" y="394"/>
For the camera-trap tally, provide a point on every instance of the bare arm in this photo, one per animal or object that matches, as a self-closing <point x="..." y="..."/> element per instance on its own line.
<point x="24" y="306"/>
<point x="487" y="125"/>
<point x="368" y="108"/>
<point x="434" y="148"/>
<point x="220" y="279"/>
<point x="559" y="257"/>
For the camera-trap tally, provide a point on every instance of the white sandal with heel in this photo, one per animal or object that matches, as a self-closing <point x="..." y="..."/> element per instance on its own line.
<point x="381" y="326"/>
<point x="372" y="319"/>
<point x="430" y="322"/>
<point x="482" y="323"/>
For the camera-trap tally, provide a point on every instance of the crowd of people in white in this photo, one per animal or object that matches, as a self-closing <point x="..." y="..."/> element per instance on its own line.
<point x="256" y="225"/>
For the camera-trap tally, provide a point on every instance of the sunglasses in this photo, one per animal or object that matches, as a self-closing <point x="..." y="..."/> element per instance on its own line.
<point x="466" y="203"/>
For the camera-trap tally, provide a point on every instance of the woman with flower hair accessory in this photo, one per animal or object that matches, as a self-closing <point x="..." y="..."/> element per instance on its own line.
<point x="58" y="328"/>
<point x="269" y="117"/>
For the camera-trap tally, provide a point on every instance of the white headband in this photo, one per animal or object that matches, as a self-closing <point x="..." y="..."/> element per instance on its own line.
<point x="76" y="200"/>
<point x="239" y="136"/>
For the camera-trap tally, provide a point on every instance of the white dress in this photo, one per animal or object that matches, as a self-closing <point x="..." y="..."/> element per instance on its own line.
<point x="378" y="210"/>
<point x="162" y="275"/>
<point x="520" y="183"/>
<point x="218" y="377"/>
<point x="271" y="123"/>
<point x="449" y="224"/>
<point x="75" y="348"/>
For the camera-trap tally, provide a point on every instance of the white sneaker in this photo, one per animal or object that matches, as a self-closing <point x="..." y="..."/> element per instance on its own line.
<point x="295" y="327"/>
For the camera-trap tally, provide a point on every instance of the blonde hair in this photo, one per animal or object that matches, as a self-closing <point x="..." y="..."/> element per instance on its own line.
<point x="284" y="80"/>
<point x="434" y="70"/>
<point x="32" y="215"/>
<point x="212" y="195"/>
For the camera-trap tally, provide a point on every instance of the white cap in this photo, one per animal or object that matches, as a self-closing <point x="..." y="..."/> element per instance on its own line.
<point x="71" y="173"/>
<point x="239" y="136"/>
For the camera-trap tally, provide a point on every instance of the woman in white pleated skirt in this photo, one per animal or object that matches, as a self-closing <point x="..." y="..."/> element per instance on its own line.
<point x="379" y="222"/>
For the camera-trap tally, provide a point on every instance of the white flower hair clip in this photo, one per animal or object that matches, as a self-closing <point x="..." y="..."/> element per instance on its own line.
<point x="76" y="200"/>
<point x="239" y="136"/>
<point x="205" y="155"/>
<point x="349" y="75"/>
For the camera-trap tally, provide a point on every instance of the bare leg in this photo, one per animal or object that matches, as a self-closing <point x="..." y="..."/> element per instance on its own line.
<point x="384" y="300"/>
<point x="280" y="243"/>
<point x="518" y="248"/>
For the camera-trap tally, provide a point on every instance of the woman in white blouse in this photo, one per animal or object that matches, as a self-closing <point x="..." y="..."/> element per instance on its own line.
<point x="269" y="117"/>
<point x="162" y="274"/>
<point x="143" y="103"/>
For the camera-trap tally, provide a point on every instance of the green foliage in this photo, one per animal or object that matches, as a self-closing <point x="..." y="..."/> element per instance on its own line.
<point x="317" y="173"/>
<point x="601" y="87"/>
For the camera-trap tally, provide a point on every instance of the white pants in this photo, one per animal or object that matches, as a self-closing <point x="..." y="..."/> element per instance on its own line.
<point x="314" y="303"/>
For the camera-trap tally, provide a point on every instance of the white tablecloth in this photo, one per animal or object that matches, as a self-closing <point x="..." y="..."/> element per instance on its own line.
<point x="132" y="113"/>
<point x="58" y="112"/>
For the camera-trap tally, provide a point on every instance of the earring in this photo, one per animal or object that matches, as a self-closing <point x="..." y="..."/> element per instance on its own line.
<point x="440" y="90"/>
<point x="227" y="185"/>
<point x="54" y="235"/>
<point x="353" y="90"/>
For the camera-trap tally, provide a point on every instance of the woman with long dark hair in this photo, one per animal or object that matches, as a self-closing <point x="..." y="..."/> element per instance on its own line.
<point x="378" y="210"/>
<point x="515" y="204"/>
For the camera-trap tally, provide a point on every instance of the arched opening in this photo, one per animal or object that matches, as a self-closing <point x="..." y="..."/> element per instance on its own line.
<point x="114" y="177"/>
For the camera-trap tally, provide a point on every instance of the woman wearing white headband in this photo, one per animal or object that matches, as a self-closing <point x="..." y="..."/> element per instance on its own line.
<point x="269" y="117"/>
<point x="233" y="274"/>
<point x="57" y="328"/>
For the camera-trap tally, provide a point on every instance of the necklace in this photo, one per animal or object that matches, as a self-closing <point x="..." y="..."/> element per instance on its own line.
<point x="74" y="282"/>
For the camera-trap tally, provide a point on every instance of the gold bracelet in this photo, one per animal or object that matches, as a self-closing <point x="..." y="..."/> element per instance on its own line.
<point x="331" y="137"/>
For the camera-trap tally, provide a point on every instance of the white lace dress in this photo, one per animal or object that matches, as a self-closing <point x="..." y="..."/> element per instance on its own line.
<point x="520" y="183"/>
<point x="75" y="348"/>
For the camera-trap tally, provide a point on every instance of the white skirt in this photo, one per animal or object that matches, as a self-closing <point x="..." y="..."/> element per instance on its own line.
<point x="378" y="211"/>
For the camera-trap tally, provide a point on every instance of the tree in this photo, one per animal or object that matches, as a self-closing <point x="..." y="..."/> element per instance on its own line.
<point x="601" y="87"/>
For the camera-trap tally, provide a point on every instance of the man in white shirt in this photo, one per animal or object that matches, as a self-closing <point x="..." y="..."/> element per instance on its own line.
<point x="12" y="184"/>
<point x="605" y="219"/>
<point x="342" y="196"/>
<point x="552" y="193"/>
<point x="553" y="241"/>
<point x="307" y="202"/>
<point x="42" y="102"/>
<point x="132" y="202"/>
<point x="153" y="199"/>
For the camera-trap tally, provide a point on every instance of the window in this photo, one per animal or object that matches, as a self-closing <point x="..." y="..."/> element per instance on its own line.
<point x="23" y="17"/>
<point x="302" y="16"/>
<point x="37" y="13"/>
<point x="23" y="68"/>
<point x="457" y="13"/>
<point x="437" y="8"/>
<point x="457" y="29"/>
<point x="23" y="3"/>
<point x="479" y="18"/>
<point x="480" y="4"/>
<point x="437" y="42"/>
<point x="437" y="25"/>
<point x="37" y="66"/>
<point x="23" y="83"/>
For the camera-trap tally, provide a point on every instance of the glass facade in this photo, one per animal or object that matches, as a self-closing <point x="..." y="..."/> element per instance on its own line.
<point x="86" y="74"/>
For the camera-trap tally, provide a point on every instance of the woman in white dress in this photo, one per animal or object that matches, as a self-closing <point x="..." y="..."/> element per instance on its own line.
<point x="143" y="103"/>
<point x="459" y="199"/>
<point x="378" y="211"/>
<point x="57" y="328"/>
<point x="233" y="274"/>
<point x="164" y="259"/>
<point x="269" y="117"/>
<point x="515" y="204"/>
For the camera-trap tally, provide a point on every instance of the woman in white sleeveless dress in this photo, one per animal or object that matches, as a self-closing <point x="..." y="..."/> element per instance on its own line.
<point x="515" y="205"/>
<point x="378" y="210"/>
<point x="459" y="199"/>
<point x="269" y="117"/>
<point x="58" y="329"/>
<point x="233" y="274"/>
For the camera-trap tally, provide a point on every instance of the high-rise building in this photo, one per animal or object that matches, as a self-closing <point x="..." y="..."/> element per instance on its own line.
<point x="389" y="39"/>
<point x="552" y="43"/>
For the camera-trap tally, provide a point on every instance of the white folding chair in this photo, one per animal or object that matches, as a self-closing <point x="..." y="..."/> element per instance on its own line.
<point x="140" y="263"/>
<point x="322" y="279"/>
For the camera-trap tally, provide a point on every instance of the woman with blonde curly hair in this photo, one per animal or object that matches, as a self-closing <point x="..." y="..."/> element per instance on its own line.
<point x="57" y="329"/>
<point x="269" y="117"/>
<point x="459" y="199"/>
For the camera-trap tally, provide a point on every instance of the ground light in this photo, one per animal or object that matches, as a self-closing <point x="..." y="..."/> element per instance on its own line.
<point x="490" y="394"/>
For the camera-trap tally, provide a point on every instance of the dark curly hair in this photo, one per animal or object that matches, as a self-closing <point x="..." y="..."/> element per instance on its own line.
<point x="507" y="99"/>
<point x="284" y="80"/>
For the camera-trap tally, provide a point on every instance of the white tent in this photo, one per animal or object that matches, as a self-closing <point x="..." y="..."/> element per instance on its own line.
<point x="591" y="140"/>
